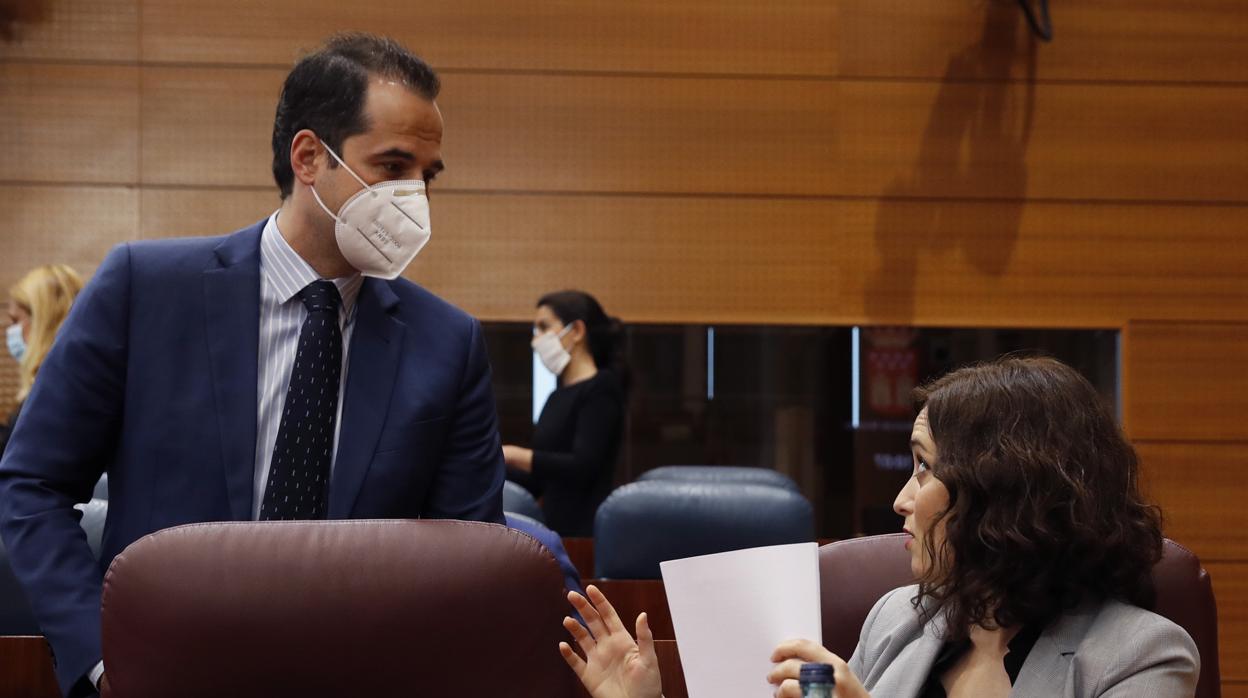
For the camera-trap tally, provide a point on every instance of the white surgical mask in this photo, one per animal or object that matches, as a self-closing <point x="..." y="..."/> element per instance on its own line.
<point x="550" y="350"/>
<point x="17" y="345"/>
<point x="382" y="228"/>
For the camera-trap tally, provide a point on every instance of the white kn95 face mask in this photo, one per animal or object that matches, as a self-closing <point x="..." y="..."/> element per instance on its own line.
<point x="381" y="229"/>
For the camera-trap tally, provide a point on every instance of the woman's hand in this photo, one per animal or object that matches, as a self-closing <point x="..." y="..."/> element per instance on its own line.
<point x="614" y="665"/>
<point x="792" y="654"/>
<point x="519" y="458"/>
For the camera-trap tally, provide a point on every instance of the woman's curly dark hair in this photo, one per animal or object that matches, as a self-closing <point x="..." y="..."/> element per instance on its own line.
<point x="1044" y="506"/>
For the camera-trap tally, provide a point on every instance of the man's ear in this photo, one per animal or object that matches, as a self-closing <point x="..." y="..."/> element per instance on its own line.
<point x="305" y="156"/>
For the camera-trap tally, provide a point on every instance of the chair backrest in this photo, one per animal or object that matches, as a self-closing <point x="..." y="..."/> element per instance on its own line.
<point x="553" y="543"/>
<point x="517" y="500"/>
<point x="16" y="615"/>
<point x="335" y="608"/>
<point x="1185" y="596"/>
<point x="722" y="473"/>
<point x="855" y="573"/>
<point x="645" y="523"/>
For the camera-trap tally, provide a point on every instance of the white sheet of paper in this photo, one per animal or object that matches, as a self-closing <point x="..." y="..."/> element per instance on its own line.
<point x="730" y="610"/>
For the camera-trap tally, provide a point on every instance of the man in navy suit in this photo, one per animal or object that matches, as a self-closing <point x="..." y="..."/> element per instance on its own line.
<point x="261" y="375"/>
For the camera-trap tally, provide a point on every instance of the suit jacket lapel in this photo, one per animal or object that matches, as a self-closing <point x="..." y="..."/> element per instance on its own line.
<point x="919" y="658"/>
<point x="232" y="309"/>
<point x="376" y="343"/>
<point x="1049" y="660"/>
<point x="1045" y="662"/>
<point x="905" y="660"/>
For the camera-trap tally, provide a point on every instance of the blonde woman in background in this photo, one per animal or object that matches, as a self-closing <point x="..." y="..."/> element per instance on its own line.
<point x="38" y="305"/>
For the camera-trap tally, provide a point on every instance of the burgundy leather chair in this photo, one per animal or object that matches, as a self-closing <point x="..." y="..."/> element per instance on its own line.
<point x="338" y="608"/>
<point x="855" y="573"/>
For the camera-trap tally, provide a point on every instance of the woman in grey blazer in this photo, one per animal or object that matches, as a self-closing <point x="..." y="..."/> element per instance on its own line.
<point x="1032" y="548"/>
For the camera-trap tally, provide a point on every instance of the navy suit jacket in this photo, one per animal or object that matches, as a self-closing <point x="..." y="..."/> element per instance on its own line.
<point x="153" y="380"/>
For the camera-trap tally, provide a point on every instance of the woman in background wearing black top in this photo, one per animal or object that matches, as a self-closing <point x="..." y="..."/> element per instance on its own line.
<point x="571" y="465"/>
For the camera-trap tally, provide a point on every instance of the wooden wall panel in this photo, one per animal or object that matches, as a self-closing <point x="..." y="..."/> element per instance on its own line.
<point x="195" y="212"/>
<point x="1187" y="381"/>
<point x="1108" y="40"/>
<point x="856" y="161"/>
<point x="844" y="139"/>
<point x="710" y="259"/>
<point x="663" y="259"/>
<point x="785" y="138"/>
<point x="1084" y="141"/>
<point x="1099" y="40"/>
<point x="1042" y="264"/>
<point x="74" y="225"/>
<point x="208" y="126"/>
<point x="1200" y="488"/>
<point x="69" y="123"/>
<point x="80" y="30"/>
<point x="652" y="35"/>
<point x="1230" y="587"/>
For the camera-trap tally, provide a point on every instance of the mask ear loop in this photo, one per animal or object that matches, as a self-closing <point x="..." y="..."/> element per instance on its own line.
<point x="558" y="335"/>
<point x="564" y="333"/>
<point x="324" y="208"/>
<point x="348" y="169"/>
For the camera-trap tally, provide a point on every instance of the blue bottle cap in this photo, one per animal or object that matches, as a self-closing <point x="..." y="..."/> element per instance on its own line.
<point x="817" y="673"/>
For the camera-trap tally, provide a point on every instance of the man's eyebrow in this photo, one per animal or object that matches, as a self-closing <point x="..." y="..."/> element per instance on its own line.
<point x="431" y="173"/>
<point x="396" y="153"/>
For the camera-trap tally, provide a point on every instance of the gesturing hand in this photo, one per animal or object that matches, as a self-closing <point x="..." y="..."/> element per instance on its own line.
<point x="614" y="666"/>
<point x="791" y="654"/>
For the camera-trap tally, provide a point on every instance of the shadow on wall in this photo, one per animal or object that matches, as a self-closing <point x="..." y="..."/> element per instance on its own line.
<point x="15" y="12"/>
<point x="974" y="146"/>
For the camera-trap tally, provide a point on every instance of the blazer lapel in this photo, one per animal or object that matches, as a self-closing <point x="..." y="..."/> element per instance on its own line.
<point x="232" y="307"/>
<point x="1048" y="663"/>
<point x="1045" y="663"/>
<point x="376" y="343"/>
<point x="904" y="656"/>
<point x="919" y="658"/>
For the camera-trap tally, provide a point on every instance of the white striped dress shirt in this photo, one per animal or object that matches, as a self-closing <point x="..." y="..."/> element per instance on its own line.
<point x="283" y="274"/>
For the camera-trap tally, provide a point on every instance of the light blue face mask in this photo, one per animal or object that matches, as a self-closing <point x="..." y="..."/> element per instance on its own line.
<point x="17" y="345"/>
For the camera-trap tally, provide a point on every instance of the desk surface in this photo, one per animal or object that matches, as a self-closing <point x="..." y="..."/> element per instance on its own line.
<point x="26" y="668"/>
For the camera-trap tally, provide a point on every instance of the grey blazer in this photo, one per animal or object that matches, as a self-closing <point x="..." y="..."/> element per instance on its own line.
<point x="1107" y="649"/>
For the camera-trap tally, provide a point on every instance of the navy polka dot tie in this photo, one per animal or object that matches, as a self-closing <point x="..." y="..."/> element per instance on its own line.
<point x="299" y="471"/>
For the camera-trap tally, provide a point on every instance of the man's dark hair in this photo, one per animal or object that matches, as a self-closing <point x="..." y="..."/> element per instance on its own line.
<point x="325" y="92"/>
<point x="1044" y="510"/>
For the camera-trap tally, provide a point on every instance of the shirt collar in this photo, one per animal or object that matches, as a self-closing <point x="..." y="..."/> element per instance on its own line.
<point x="288" y="273"/>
